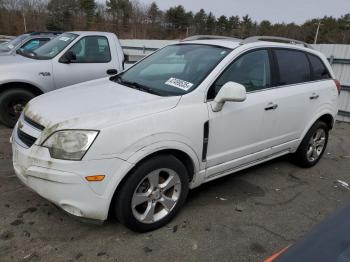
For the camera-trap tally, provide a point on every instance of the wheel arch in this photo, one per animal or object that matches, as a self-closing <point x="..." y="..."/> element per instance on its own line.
<point x="327" y="119"/>
<point x="186" y="158"/>
<point x="325" y="116"/>
<point x="24" y="85"/>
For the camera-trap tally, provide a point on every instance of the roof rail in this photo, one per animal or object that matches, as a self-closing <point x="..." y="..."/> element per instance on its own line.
<point x="275" y="39"/>
<point x="209" y="37"/>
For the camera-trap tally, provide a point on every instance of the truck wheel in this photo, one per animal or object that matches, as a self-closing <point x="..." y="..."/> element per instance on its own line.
<point x="313" y="145"/>
<point x="12" y="102"/>
<point x="153" y="194"/>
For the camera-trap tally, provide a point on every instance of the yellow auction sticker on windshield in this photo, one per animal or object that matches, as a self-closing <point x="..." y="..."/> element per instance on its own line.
<point x="178" y="83"/>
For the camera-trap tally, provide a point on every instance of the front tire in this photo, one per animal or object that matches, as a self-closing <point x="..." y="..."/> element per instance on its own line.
<point x="313" y="145"/>
<point x="12" y="103"/>
<point x="153" y="193"/>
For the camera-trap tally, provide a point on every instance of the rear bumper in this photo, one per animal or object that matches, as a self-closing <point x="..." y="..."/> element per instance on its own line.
<point x="63" y="182"/>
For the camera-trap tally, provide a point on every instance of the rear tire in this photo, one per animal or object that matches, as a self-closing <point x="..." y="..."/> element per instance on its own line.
<point x="153" y="193"/>
<point x="12" y="103"/>
<point x="313" y="145"/>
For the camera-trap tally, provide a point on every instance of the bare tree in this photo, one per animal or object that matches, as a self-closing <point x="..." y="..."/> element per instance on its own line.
<point x="134" y="19"/>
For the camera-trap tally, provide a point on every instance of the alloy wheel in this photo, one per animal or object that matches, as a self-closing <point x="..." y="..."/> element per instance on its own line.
<point x="316" y="145"/>
<point x="156" y="195"/>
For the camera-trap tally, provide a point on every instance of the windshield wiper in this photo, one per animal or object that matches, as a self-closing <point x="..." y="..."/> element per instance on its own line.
<point x="135" y="85"/>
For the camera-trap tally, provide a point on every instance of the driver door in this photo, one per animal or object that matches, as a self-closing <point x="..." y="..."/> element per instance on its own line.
<point x="238" y="133"/>
<point x="93" y="59"/>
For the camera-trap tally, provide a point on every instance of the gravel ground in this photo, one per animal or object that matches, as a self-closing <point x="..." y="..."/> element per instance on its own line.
<point x="242" y="217"/>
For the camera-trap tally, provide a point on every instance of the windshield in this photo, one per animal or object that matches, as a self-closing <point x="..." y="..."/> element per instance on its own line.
<point x="174" y="70"/>
<point x="6" y="47"/>
<point x="54" y="47"/>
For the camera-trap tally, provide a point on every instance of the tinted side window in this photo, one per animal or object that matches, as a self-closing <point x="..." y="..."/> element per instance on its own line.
<point x="92" y="49"/>
<point x="319" y="70"/>
<point x="251" y="70"/>
<point x="293" y="67"/>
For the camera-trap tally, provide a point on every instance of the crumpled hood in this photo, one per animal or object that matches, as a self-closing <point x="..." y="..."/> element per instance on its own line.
<point x="94" y="105"/>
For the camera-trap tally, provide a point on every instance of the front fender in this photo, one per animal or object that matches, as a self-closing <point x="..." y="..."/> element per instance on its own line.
<point x="166" y="145"/>
<point x="22" y="81"/>
<point x="148" y="150"/>
<point x="36" y="74"/>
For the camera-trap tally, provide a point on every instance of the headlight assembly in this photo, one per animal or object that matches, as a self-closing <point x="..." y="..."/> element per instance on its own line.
<point x="70" y="144"/>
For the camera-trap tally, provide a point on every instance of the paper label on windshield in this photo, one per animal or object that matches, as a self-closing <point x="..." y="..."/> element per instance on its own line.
<point x="64" y="38"/>
<point x="178" y="83"/>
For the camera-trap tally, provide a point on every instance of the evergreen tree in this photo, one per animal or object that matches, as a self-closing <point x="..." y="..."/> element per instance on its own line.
<point x="199" y="22"/>
<point x="222" y="25"/>
<point x="177" y="17"/>
<point x="210" y="23"/>
<point x="61" y="14"/>
<point x="88" y="8"/>
<point x="153" y="13"/>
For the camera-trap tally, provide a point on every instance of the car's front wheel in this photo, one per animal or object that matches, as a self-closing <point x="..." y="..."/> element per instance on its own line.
<point x="152" y="194"/>
<point x="12" y="103"/>
<point x="313" y="145"/>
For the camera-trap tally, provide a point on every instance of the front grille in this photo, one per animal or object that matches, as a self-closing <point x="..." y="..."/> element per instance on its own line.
<point x="33" y="123"/>
<point x="25" y="138"/>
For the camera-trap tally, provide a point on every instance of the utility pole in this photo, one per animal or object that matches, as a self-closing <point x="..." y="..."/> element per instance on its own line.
<point x="317" y="31"/>
<point x="24" y="22"/>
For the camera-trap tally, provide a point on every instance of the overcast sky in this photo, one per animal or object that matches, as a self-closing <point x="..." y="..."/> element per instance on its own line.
<point x="297" y="11"/>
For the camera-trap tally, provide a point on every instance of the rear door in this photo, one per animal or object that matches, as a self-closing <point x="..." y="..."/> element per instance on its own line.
<point x="296" y="93"/>
<point x="324" y="91"/>
<point x="93" y="59"/>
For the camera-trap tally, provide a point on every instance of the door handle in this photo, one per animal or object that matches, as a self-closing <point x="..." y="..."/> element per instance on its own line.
<point x="271" y="106"/>
<point x="314" y="96"/>
<point x="112" y="72"/>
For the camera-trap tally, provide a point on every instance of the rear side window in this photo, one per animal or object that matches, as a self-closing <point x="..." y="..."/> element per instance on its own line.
<point x="319" y="70"/>
<point x="293" y="67"/>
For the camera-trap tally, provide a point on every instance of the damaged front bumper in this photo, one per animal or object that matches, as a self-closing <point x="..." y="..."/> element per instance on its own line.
<point x="63" y="182"/>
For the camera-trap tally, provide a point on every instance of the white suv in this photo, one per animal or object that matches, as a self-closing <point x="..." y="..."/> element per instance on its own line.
<point x="195" y="111"/>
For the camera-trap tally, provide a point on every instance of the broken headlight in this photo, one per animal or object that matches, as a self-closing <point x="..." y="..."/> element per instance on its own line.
<point x="70" y="144"/>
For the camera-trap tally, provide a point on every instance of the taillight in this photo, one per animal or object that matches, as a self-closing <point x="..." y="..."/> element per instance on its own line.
<point x="337" y="83"/>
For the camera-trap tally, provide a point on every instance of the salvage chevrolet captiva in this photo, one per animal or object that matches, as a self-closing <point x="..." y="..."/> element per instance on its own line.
<point x="133" y="144"/>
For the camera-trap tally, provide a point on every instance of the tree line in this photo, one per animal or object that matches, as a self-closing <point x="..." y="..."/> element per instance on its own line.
<point x="133" y="19"/>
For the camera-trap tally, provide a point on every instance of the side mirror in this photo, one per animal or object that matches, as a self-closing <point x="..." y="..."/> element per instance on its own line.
<point x="68" y="57"/>
<point x="231" y="91"/>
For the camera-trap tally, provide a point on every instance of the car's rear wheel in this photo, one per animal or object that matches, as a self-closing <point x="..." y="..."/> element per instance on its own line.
<point x="12" y="103"/>
<point x="153" y="193"/>
<point x="313" y="145"/>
